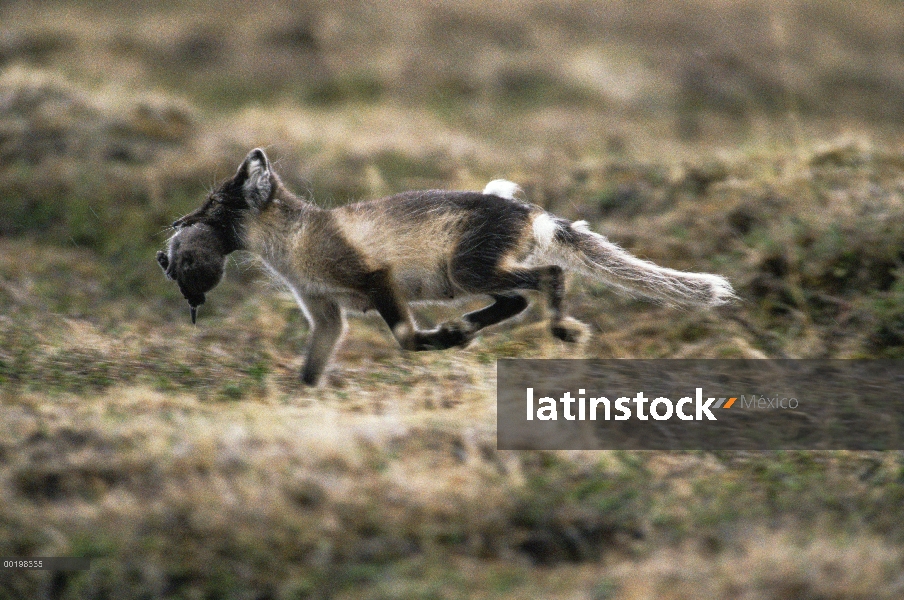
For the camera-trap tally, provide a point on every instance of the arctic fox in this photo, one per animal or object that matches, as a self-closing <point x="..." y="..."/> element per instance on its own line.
<point x="413" y="246"/>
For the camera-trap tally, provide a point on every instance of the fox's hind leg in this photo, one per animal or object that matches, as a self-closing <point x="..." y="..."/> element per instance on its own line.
<point x="549" y="281"/>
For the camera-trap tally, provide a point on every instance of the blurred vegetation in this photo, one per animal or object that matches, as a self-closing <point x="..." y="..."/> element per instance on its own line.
<point x="758" y="140"/>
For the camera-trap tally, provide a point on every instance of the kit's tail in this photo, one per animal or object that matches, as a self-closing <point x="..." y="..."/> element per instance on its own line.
<point x="574" y="246"/>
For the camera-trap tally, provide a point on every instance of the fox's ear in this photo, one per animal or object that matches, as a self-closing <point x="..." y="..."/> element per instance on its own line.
<point x="256" y="178"/>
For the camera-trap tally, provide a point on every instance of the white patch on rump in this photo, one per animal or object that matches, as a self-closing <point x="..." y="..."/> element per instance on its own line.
<point x="544" y="230"/>
<point x="581" y="226"/>
<point x="502" y="188"/>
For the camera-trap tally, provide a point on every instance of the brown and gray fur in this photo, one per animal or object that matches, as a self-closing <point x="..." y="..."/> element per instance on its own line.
<point x="422" y="246"/>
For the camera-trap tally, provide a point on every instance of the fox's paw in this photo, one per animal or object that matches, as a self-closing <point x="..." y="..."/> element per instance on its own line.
<point x="569" y="330"/>
<point x="446" y="335"/>
<point x="455" y="333"/>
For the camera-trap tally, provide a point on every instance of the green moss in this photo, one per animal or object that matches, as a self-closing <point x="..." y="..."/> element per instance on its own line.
<point x="232" y="392"/>
<point x="361" y="88"/>
<point x="528" y="87"/>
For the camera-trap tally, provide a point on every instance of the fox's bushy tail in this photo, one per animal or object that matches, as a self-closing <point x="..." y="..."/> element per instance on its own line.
<point x="574" y="246"/>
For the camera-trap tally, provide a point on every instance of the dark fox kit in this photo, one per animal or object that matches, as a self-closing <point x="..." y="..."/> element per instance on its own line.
<point x="414" y="246"/>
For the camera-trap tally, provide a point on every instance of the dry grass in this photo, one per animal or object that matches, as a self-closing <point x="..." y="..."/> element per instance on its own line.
<point x="767" y="565"/>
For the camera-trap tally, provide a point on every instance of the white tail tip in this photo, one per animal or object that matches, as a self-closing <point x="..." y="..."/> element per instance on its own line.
<point x="502" y="188"/>
<point x="723" y="293"/>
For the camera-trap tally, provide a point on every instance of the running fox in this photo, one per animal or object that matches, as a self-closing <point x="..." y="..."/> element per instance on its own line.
<point x="415" y="246"/>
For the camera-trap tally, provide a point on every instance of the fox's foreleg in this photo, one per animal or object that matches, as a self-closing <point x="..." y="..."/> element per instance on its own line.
<point x="385" y="297"/>
<point x="503" y="286"/>
<point x="506" y="306"/>
<point x="327" y="325"/>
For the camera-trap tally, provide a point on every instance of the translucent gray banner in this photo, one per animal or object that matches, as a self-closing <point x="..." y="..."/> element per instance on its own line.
<point x="700" y="404"/>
